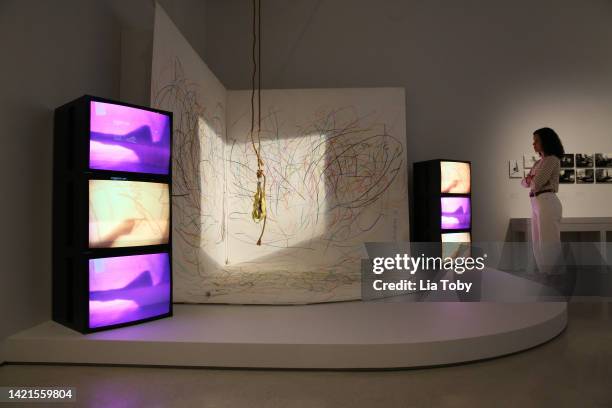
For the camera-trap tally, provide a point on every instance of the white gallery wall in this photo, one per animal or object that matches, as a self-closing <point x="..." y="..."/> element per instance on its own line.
<point x="335" y="165"/>
<point x="480" y="77"/>
<point x="182" y="83"/>
<point x="578" y="119"/>
<point x="52" y="52"/>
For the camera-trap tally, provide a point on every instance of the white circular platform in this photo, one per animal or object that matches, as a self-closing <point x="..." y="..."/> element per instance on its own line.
<point x="349" y="335"/>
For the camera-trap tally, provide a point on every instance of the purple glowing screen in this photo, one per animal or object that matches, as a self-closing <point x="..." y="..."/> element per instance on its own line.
<point x="123" y="138"/>
<point x="125" y="289"/>
<point x="456" y="213"/>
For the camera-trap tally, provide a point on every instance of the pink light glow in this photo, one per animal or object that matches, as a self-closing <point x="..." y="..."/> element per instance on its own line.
<point x="123" y="138"/>
<point x="130" y="288"/>
<point x="104" y="313"/>
<point x="109" y="153"/>
<point x="118" y="272"/>
<point x="121" y="120"/>
<point x="456" y="213"/>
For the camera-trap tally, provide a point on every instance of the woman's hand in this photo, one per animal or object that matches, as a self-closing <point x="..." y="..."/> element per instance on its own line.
<point x="526" y="181"/>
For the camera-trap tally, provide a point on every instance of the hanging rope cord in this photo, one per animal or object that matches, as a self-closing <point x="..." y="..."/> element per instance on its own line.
<point x="259" y="199"/>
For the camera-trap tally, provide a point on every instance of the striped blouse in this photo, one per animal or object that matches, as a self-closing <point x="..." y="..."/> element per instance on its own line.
<point x="546" y="175"/>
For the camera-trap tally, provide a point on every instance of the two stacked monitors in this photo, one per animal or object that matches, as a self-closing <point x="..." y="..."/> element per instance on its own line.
<point x="118" y="267"/>
<point x="443" y="204"/>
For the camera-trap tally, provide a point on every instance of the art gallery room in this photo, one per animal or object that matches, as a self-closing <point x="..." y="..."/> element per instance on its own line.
<point x="308" y="203"/>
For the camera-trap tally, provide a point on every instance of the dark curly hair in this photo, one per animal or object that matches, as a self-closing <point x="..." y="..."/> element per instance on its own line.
<point x="551" y="144"/>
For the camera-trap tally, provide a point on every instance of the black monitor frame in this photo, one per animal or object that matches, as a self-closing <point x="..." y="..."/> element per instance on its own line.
<point x="427" y="226"/>
<point x="70" y="244"/>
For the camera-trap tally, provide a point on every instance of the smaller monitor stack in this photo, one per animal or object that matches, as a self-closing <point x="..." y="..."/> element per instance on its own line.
<point x="111" y="214"/>
<point x="443" y="203"/>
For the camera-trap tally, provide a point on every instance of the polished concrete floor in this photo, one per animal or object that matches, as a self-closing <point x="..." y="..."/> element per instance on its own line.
<point x="573" y="370"/>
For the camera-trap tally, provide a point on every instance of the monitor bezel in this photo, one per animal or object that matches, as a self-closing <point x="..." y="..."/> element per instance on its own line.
<point x="135" y="177"/>
<point x="469" y="163"/>
<point x="469" y="197"/>
<point x="88" y="328"/>
<point x="90" y="99"/>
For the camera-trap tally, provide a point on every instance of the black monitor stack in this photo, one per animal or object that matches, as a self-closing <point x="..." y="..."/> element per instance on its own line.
<point x="111" y="214"/>
<point x="443" y="204"/>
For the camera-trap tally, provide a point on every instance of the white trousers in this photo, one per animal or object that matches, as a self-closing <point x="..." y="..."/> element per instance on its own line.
<point x="546" y="212"/>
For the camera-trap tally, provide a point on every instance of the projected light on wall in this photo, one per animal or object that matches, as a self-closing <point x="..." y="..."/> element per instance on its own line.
<point x="456" y="213"/>
<point x="124" y="138"/>
<point x="128" y="213"/>
<point x="128" y="288"/>
<point x="454" y="177"/>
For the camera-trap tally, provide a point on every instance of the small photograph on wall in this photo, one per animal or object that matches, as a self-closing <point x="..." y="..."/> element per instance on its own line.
<point x="603" y="159"/>
<point x="567" y="176"/>
<point x="603" y="175"/>
<point x="529" y="160"/>
<point x="514" y="171"/>
<point x="567" y="160"/>
<point x="585" y="176"/>
<point x="584" y="160"/>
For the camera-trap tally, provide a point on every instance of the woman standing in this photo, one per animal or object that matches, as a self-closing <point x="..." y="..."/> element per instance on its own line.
<point x="543" y="184"/>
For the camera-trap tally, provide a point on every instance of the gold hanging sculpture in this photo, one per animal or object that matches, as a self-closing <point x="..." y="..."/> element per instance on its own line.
<point x="259" y="199"/>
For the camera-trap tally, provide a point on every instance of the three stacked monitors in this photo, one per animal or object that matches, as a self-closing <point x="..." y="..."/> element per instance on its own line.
<point x="111" y="214"/>
<point x="443" y="204"/>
